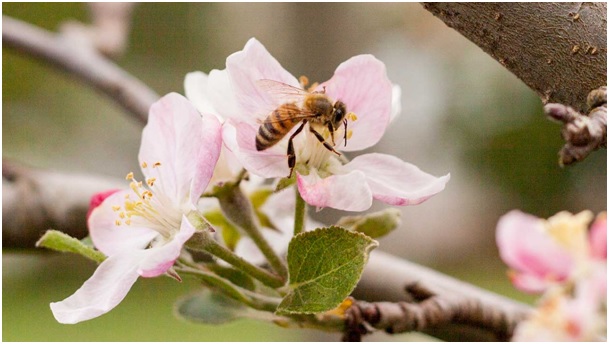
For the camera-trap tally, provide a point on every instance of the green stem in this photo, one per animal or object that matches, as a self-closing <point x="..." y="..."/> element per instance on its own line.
<point x="204" y="241"/>
<point x="238" y="209"/>
<point x="254" y="300"/>
<point x="299" y="214"/>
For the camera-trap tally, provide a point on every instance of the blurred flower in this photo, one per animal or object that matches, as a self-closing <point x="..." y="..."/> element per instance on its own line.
<point x="565" y="257"/>
<point x="142" y="229"/>
<point x="324" y="179"/>
<point x="542" y="252"/>
<point x="579" y="315"/>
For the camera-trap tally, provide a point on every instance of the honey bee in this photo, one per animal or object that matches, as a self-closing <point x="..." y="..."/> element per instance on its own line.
<point x="316" y="109"/>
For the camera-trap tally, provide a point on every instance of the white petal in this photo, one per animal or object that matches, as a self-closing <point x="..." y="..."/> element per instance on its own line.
<point x="103" y="291"/>
<point x="196" y="90"/>
<point x="396" y="182"/>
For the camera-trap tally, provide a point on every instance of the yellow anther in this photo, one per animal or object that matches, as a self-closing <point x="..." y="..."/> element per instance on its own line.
<point x="139" y="184"/>
<point x="129" y="176"/>
<point x="351" y="116"/>
<point x="116" y="207"/>
<point x="304" y="81"/>
<point x="156" y="164"/>
<point x="122" y="215"/>
<point x="128" y="222"/>
<point x="126" y="196"/>
<point x="150" y="181"/>
<point x="117" y="222"/>
<point x="349" y="134"/>
<point x="144" y="164"/>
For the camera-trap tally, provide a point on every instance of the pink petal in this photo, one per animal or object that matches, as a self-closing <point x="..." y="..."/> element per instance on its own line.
<point x="186" y="146"/>
<point x="396" y="182"/>
<point x="160" y="258"/>
<point x="529" y="283"/>
<point x="248" y="66"/>
<point x="362" y="84"/>
<point x="598" y="237"/>
<point x="110" y="238"/>
<point x="527" y="248"/>
<point x="103" y="291"/>
<point x="98" y="198"/>
<point x="341" y="191"/>
<point x="240" y="139"/>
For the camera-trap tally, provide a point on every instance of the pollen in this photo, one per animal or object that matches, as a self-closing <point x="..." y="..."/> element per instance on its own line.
<point x="144" y="164"/>
<point x="150" y="181"/>
<point x="156" y="164"/>
<point x="122" y="215"/>
<point x="117" y="222"/>
<point x="129" y="176"/>
<point x="352" y="117"/>
<point x="349" y="134"/>
<point x="116" y="207"/>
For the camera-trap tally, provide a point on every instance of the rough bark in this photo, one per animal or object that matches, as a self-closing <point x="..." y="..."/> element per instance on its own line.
<point x="557" y="49"/>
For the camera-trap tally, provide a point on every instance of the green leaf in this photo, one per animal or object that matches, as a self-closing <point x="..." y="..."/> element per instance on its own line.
<point x="209" y="308"/>
<point x="374" y="225"/>
<point x="230" y="234"/>
<point x="58" y="241"/>
<point x="324" y="266"/>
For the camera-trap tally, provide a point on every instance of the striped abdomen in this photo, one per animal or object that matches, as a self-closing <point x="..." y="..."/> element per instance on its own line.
<point x="277" y="125"/>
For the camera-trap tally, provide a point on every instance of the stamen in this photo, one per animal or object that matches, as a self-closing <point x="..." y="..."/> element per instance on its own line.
<point x="128" y="222"/>
<point x="150" y="181"/>
<point x="116" y="207"/>
<point x="117" y="222"/>
<point x="129" y="176"/>
<point x="156" y="164"/>
<point x="351" y="116"/>
<point x="304" y="81"/>
<point x="122" y="215"/>
<point x="144" y="164"/>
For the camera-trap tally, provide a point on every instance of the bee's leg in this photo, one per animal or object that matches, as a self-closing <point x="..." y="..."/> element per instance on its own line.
<point x="322" y="140"/>
<point x="331" y="130"/>
<point x="291" y="153"/>
<point x="345" y="122"/>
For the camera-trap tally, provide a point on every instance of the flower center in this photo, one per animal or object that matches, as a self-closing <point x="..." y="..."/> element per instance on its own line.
<point x="150" y="208"/>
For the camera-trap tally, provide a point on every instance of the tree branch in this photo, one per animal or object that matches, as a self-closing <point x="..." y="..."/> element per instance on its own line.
<point x="562" y="57"/>
<point x="558" y="49"/>
<point x="76" y="54"/>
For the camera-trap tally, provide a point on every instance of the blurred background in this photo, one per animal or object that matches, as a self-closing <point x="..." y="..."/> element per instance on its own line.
<point x="461" y="113"/>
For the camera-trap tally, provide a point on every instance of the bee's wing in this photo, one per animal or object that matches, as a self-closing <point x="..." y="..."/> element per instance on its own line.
<point x="281" y="92"/>
<point x="290" y="113"/>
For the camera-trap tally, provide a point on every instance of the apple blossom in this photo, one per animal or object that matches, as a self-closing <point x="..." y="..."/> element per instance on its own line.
<point x="542" y="253"/>
<point x="324" y="178"/>
<point x="142" y="229"/>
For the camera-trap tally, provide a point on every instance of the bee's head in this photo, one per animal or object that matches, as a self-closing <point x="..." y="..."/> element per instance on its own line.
<point x="338" y="113"/>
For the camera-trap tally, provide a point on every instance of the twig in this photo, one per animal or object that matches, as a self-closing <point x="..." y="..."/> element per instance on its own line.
<point x="583" y="133"/>
<point x="389" y="278"/>
<point x="427" y="312"/>
<point x="36" y="200"/>
<point x="79" y="57"/>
